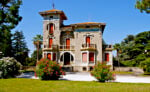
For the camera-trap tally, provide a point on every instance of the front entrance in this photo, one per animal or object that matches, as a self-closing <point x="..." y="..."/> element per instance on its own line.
<point x="66" y="58"/>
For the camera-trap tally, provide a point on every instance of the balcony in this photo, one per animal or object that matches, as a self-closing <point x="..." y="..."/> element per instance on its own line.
<point x="90" y="47"/>
<point x="66" y="48"/>
<point x="109" y="48"/>
<point x="50" y="47"/>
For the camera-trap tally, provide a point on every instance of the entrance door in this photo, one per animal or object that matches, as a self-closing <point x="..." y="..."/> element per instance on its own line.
<point x="67" y="58"/>
<point x="67" y="43"/>
<point x="88" y="41"/>
<point x="50" y="42"/>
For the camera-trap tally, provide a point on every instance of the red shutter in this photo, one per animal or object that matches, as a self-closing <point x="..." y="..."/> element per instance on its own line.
<point x="49" y="56"/>
<point x="88" y="41"/>
<point x="67" y="43"/>
<point x="84" y="57"/>
<point x="50" y="42"/>
<point x="106" y="56"/>
<point x="54" y="56"/>
<point x="91" y="57"/>
<point x="51" y="28"/>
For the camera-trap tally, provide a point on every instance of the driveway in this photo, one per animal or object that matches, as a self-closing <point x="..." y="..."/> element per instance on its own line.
<point x="85" y="76"/>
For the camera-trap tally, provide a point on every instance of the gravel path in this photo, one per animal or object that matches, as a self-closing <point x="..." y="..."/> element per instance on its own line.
<point x="85" y="76"/>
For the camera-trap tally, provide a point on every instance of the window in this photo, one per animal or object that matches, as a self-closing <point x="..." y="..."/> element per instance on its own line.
<point x="49" y="56"/>
<point x="50" y="42"/>
<point x="67" y="43"/>
<point x="51" y="29"/>
<point x="87" y="26"/>
<point x="88" y="41"/>
<point x="84" y="68"/>
<point x="91" y="57"/>
<point x="44" y="55"/>
<point x="106" y="56"/>
<point x="84" y="57"/>
<point x="54" y="56"/>
<point x="51" y="17"/>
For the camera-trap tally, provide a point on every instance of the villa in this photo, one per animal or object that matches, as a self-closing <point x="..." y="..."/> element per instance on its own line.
<point x="76" y="46"/>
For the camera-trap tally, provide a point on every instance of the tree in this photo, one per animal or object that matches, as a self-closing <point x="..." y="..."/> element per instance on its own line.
<point x="9" y="19"/>
<point x="20" y="49"/>
<point x="37" y="41"/>
<point x="143" y="5"/>
<point x="134" y="49"/>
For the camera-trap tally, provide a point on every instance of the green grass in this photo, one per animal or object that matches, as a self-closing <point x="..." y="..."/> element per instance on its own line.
<point x="32" y="85"/>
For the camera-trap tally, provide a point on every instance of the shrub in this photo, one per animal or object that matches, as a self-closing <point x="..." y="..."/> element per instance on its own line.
<point x="102" y="72"/>
<point x="48" y="70"/>
<point x="146" y="65"/>
<point x="9" y="67"/>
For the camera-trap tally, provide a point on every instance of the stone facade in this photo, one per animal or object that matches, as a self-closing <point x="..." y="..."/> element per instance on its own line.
<point x="76" y="46"/>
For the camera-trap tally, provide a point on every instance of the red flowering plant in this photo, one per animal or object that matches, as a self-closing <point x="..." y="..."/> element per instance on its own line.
<point x="102" y="72"/>
<point x="48" y="70"/>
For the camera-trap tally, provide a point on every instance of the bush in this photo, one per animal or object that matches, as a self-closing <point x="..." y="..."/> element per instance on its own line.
<point x="146" y="65"/>
<point x="48" y="70"/>
<point x="9" y="67"/>
<point x="102" y="72"/>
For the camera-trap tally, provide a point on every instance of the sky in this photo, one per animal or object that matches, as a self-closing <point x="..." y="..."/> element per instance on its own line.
<point x="121" y="17"/>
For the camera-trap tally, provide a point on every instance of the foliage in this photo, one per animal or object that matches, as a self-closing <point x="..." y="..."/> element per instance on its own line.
<point x="102" y="72"/>
<point x="34" y="54"/>
<point x="133" y="49"/>
<point x="143" y="5"/>
<point x="30" y="61"/>
<point x="20" y="49"/>
<point x="37" y="41"/>
<point x="9" y="67"/>
<point x="48" y="70"/>
<point x="9" y="19"/>
<point x="146" y="65"/>
<point x="128" y="63"/>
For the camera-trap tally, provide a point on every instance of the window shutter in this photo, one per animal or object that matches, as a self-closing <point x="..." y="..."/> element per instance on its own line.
<point x="84" y="57"/>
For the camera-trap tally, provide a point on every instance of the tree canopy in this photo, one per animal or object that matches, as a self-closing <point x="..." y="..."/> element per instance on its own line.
<point x="143" y="5"/>
<point x="20" y="50"/>
<point x="134" y="49"/>
<point x="9" y="19"/>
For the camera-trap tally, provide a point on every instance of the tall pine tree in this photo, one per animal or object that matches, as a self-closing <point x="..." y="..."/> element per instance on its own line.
<point x="20" y="49"/>
<point x="9" y="19"/>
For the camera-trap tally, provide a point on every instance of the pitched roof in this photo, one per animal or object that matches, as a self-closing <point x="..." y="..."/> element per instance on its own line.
<point x="54" y="11"/>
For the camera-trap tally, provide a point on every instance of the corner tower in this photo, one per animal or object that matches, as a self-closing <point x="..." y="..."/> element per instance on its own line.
<point x="52" y="21"/>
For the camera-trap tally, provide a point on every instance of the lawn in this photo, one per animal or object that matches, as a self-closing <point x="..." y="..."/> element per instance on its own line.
<point x="33" y="85"/>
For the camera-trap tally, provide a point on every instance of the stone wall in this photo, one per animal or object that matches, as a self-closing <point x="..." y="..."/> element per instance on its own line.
<point x="129" y="69"/>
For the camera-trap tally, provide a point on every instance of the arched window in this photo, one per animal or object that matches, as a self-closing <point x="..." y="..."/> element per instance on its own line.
<point x="50" y="28"/>
<point x="88" y="41"/>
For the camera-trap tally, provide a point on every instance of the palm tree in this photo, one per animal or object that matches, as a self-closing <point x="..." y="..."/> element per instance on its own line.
<point x="117" y="47"/>
<point x="37" y="41"/>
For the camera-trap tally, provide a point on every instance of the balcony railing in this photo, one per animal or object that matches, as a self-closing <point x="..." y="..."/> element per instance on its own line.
<point x="50" y="47"/>
<point x="109" y="47"/>
<point x="88" y="47"/>
<point x="66" y="47"/>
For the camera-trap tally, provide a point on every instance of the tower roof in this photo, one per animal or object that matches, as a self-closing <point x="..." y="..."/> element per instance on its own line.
<point x="54" y="11"/>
